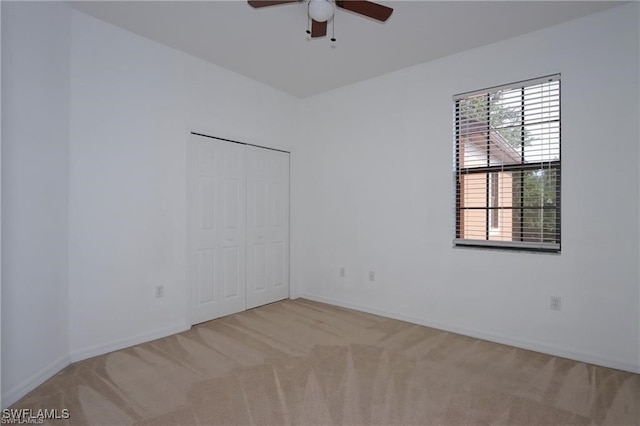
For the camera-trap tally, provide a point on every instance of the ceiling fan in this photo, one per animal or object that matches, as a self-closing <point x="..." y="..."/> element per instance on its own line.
<point x="322" y="11"/>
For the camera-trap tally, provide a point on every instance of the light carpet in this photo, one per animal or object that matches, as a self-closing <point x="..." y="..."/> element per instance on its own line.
<point x="298" y="362"/>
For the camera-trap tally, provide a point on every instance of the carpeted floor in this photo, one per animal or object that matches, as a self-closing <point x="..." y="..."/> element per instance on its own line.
<point x="305" y="363"/>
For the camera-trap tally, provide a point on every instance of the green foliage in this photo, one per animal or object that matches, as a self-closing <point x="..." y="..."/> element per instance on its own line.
<point x="539" y="195"/>
<point x="503" y="119"/>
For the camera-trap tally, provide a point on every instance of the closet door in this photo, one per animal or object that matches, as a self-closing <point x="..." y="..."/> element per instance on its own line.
<point x="217" y="222"/>
<point x="267" y="226"/>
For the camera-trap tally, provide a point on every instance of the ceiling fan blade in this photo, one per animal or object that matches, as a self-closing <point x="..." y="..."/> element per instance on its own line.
<point x="264" y="3"/>
<point x="318" y="29"/>
<point x="373" y="10"/>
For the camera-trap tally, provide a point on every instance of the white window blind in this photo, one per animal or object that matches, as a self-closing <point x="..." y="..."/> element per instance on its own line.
<point x="507" y="166"/>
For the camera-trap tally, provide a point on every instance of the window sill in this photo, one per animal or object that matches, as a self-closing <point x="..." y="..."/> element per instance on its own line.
<point x="514" y="248"/>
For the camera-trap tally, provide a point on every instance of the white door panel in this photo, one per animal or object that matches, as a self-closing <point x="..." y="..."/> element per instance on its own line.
<point x="267" y="226"/>
<point x="217" y="228"/>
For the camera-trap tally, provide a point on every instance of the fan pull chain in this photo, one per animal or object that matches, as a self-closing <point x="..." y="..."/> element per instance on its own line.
<point x="333" y="29"/>
<point x="308" y="20"/>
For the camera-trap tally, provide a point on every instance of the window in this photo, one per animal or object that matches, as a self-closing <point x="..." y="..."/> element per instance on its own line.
<point x="507" y="166"/>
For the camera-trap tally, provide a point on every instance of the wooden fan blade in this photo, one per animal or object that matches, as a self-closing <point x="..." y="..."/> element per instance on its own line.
<point x="373" y="10"/>
<point x="318" y="29"/>
<point x="264" y="3"/>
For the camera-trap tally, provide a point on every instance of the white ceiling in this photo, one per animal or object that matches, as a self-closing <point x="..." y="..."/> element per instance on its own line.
<point x="270" y="44"/>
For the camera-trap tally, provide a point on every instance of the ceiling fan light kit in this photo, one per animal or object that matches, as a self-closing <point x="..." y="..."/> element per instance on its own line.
<point x="322" y="11"/>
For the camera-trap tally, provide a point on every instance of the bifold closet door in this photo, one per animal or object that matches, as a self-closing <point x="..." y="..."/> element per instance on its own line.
<point x="238" y="198"/>
<point x="267" y="226"/>
<point x="217" y="234"/>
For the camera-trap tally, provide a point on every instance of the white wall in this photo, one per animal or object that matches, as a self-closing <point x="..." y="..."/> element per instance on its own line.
<point x="35" y="134"/>
<point x="376" y="194"/>
<point x="133" y="103"/>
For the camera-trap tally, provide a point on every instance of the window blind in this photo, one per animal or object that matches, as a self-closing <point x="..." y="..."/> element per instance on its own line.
<point x="507" y="166"/>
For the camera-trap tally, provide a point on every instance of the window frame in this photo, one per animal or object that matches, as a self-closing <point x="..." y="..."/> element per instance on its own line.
<point x="492" y="171"/>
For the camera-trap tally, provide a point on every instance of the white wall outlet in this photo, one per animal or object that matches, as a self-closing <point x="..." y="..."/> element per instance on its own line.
<point x="159" y="291"/>
<point x="372" y="276"/>
<point x="555" y="303"/>
<point x="342" y="272"/>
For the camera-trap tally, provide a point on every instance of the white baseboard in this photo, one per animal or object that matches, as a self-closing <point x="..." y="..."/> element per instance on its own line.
<point x="104" y="348"/>
<point x="492" y="337"/>
<point x="13" y="395"/>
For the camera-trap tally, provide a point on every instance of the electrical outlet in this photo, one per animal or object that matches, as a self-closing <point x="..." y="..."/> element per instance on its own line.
<point x="342" y="272"/>
<point x="372" y="276"/>
<point x="556" y="303"/>
<point x="159" y="291"/>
